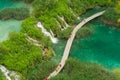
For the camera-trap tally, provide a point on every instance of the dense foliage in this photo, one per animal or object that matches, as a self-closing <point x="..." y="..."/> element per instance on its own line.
<point x="2" y="77"/>
<point x="41" y="71"/>
<point x="83" y="32"/>
<point x="65" y="33"/>
<point x="30" y="29"/>
<point x="112" y="15"/>
<point x="16" y="13"/>
<point x="76" y="70"/>
<point x="22" y="53"/>
<point x="49" y="12"/>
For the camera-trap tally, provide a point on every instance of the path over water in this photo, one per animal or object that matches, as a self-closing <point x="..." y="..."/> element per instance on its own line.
<point x="69" y="44"/>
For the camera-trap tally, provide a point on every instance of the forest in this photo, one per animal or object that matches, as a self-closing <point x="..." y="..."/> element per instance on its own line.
<point x="19" y="54"/>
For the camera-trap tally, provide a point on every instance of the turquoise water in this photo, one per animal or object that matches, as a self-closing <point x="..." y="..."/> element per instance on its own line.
<point x="9" y="25"/>
<point x="11" y="4"/>
<point x="102" y="46"/>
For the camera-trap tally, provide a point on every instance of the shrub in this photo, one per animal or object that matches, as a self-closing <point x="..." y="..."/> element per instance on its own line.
<point x="2" y="77"/>
<point x="16" y="13"/>
<point x="76" y="70"/>
<point x="111" y="17"/>
<point x="41" y="71"/>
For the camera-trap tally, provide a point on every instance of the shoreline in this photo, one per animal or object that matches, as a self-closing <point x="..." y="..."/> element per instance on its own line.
<point x="110" y="23"/>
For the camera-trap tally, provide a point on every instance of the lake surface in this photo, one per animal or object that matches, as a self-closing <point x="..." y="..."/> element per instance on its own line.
<point x="11" y="24"/>
<point x="102" y="46"/>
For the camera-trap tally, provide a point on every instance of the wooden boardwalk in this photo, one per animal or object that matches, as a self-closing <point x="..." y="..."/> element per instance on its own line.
<point x="69" y="44"/>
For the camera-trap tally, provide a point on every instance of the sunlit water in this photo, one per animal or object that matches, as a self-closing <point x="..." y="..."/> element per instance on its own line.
<point x="102" y="46"/>
<point x="7" y="26"/>
<point x="11" y="24"/>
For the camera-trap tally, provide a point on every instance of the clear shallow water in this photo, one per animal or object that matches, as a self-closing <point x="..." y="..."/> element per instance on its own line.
<point x="102" y="47"/>
<point x="11" y="24"/>
<point x="7" y="26"/>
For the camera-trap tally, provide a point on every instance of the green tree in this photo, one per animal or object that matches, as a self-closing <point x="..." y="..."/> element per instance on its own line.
<point x="41" y="71"/>
<point x="76" y="70"/>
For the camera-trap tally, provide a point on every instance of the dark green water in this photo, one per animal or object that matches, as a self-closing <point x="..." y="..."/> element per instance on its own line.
<point x="102" y="47"/>
<point x="11" y="24"/>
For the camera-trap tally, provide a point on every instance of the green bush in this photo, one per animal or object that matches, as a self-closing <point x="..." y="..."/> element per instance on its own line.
<point x="41" y="71"/>
<point x="49" y="23"/>
<point x="84" y="31"/>
<point x="16" y="13"/>
<point x="65" y="33"/>
<point x="19" y="53"/>
<point x="2" y="77"/>
<point x="47" y="11"/>
<point x="111" y="17"/>
<point x="76" y="70"/>
<point x="30" y="29"/>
